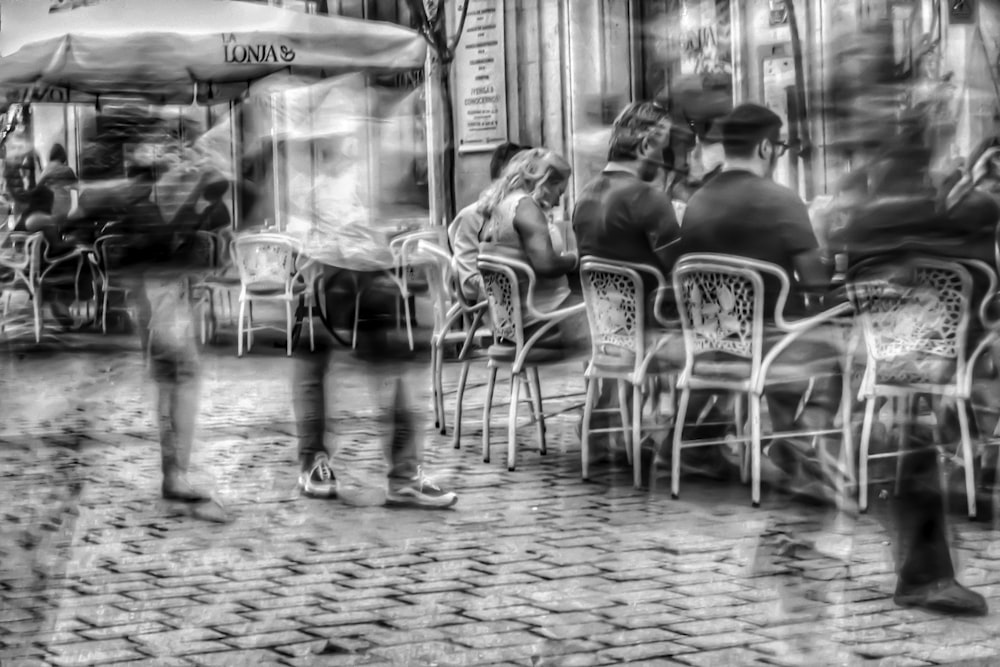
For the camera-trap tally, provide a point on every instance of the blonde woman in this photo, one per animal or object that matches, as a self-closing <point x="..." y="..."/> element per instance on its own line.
<point x="517" y="206"/>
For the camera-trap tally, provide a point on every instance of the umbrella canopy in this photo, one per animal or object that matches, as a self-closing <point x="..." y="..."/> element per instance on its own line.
<point x="179" y="51"/>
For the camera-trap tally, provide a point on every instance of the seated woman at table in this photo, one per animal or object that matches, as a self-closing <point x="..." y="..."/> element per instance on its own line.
<point x="516" y="207"/>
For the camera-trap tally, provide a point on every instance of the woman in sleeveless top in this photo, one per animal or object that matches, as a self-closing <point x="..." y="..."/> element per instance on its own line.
<point x="516" y="207"/>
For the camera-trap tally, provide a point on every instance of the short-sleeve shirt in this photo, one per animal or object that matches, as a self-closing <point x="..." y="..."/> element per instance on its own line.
<point x="740" y="213"/>
<point x="464" y="235"/>
<point x="619" y="217"/>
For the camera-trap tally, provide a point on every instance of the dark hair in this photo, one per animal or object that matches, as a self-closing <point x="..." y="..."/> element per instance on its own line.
<point x="502" y="155"/>
<point x="747" y="126"/>
<point x="57" y="153"/>
<point x="215" y="189"/>
<point x="632" y="127"/>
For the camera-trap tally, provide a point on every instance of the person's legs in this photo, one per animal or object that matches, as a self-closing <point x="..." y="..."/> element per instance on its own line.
<point x="175" y="368"/>
<point x="926" y="575"/>
<point x="316" y="478"/>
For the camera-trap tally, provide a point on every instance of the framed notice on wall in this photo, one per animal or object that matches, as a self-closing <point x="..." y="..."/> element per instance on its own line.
<point x="480" y="80"/>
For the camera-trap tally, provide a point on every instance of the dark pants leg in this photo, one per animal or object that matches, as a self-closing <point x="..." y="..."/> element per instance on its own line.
<point x="919" y="514"/>
<point x="309" y="405"/>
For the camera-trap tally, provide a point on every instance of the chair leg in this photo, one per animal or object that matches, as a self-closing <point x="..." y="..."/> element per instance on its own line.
<point x="866" y="434"/>
<point x="357" y="315"/>
<point x="675" y="459"/>
<point x="289" y="323"/>
<point x="249" y="325"/>
<point x="847" y="430"/>
<point x="409" y="326"/>
<point x="437" y="357"/>
<point x="905" y="407"/>
<point x="104" y="311"/>
<point x="755" y="453"/>
<point x="588" y="411"/>
<point x="37" y="308"/>
<point x="637" y="435"/>
<point x="740" y="434"/>
<point x="312" y="329"/>
<point x="239" y="328"/>
<point x="623" y="412"/>
<point x="967" y="458"/>
<point x="460" y="394"/>
<point x="515" y="396"/>
<point x="536" y="402"/>
<point x="487" y="408"/>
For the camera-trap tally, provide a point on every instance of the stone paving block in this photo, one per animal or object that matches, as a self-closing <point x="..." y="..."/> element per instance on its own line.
<point x="719" y="640"/>
<point x="513" y="638"/>
<point x="267" y="639"/>
<point x="229" y="658"/>
<point x="345" y="617"/>
<point x="722" y="658"/>
<point x="129" y="630"/>
<point x="636" y="636"/>
<point x="443" y="620"/>
<point x="94" y="652"/>
<point x="646" y="651"/>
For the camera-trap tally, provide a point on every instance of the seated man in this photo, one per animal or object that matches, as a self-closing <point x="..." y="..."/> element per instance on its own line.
<point x="466" y="229"/>
<point x="743" y="212"/>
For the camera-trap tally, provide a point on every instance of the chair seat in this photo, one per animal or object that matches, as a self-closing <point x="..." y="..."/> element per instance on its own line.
<point x="777" y="373"/>
<point x="536" y="355"/>
<point x="264" y="290"/>
<point x="220" y="280"/>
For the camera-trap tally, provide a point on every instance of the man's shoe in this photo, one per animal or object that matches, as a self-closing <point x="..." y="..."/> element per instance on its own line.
<point x="318" y="481"/>
<point x="946" y="595"/>
<point x="177" y="487"/>
<point x="420" y="491"/>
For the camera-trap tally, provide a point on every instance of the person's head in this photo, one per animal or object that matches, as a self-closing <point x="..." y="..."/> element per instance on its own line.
<point x="539" y="172"/>
<point x="502" y="156"/>
<point x="751" y="135"/>
<point x="640" y="133"/>
<point x="57" y="154"/>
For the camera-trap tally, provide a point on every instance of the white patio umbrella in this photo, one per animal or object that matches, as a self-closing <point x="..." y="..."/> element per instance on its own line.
<point x="179" y="51"/>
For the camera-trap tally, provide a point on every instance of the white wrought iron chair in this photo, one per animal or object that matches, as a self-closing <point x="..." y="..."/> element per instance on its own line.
<point x="512" y="348"/>
<point x="720" y="300"/>
<point x="20" y="266"/>
<point x="268" y="272"/>
<point x="221" y="280"/>
<point x="455" y="323"/>
<point x="915" y="333"/>
<point x="109" y="251"/>
<point x="622" y="348"/>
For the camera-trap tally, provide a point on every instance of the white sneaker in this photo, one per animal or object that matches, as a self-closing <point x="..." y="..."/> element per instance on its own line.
<point x="420" y="491"/>
<point x="318" y="481"/>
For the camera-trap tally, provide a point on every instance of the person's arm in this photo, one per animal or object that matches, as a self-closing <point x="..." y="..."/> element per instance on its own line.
<point x="533" y="228"/>
<point x="795" y="233"/>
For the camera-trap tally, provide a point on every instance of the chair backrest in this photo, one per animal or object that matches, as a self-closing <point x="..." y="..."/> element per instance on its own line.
<point x="501" y="284"/>
<point x="205" y="249"/>
<point x="21" y="252"/>
<point x="616" y="306"/>
<point x="914" y="315"/>
<point x="265" y="261"/>
<point x="720" y="299"/>
<point x="111" y="251"/>
<point x="437" y="264"/>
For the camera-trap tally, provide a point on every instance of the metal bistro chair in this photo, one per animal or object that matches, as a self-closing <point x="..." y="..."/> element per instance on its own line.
<point x="455" y="323"/>
<point x="622" y="349"/>
<point x="20" y="268"/>
<point x="512" y="348"/>
<point x="915" y="319"/>
<point x="222" y="280"/>
<point x="720" y="299"/>
<point x="109" y="251"/>
<point x="268" y="272"/>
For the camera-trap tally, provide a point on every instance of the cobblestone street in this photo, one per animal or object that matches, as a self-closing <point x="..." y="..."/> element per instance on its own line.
<point x="531" y="567"/>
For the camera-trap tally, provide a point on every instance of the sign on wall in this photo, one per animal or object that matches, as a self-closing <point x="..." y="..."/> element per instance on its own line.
<point x="480" y="77"/>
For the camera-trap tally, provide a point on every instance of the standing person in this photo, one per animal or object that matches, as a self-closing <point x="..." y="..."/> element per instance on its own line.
<point x="465" y="231"/>
<point x="157" y="271"/>
<point x="340" y="233"/>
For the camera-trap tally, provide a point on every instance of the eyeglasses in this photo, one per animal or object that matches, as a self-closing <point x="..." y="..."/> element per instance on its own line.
<point x="780" y="147"/>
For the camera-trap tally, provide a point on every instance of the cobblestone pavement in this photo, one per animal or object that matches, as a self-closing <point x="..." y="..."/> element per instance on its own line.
<point x="532" y="567"/>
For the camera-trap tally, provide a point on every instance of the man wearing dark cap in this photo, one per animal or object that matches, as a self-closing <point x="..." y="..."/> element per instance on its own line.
<point x="743" y="212"/>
